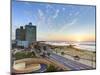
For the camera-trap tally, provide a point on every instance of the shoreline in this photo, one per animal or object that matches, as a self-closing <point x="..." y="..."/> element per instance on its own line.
<point x="80" y="45"/>
<point x="70" y="52"/>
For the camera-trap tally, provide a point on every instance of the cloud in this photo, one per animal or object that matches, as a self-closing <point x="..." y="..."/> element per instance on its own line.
<point x="48" y="6"/>
<point x="46" y="21"/>
<point x="70" y="14"/>
<point x="66" y="26"/>
<point x="56" y="13"/>
<point x="40" y="12"/>
<point x="74" y="13"/>
<point x="77" y="13"/>
<point x="63" y="8"/>
<point x="27" y="3"/>
<point x="29" y="14"/>
<point x="41" y="17"/>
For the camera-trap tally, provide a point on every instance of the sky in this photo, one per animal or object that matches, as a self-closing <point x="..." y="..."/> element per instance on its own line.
<point x="55" y="22"/>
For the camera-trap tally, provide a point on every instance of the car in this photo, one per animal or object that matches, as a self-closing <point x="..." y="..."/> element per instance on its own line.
<point x="76" y="57"/>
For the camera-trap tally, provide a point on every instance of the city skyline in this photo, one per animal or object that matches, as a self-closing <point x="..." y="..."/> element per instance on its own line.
<point x="60" y="22"/>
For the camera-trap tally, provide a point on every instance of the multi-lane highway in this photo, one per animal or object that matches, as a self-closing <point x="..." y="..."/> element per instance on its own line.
<point x="73" y="65"/>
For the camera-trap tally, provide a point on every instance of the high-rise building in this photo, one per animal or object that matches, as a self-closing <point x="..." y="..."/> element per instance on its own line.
<point x="30" y="33"/>
<point x="27" y="35"/>
<point x="20" y="34"/>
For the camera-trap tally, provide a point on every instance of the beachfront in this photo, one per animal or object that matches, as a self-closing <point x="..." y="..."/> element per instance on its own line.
<point x="81" y="55"/>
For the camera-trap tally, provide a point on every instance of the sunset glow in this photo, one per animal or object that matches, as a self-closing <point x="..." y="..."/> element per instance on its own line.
<point x="78" y="38"/>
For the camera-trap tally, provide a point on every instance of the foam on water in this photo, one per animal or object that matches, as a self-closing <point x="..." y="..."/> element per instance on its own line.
<point x="81" y="45"/>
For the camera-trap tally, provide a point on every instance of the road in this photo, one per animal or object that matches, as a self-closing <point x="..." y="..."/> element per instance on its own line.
<point x="73" y="65"/>
<point x="42" y="69"/>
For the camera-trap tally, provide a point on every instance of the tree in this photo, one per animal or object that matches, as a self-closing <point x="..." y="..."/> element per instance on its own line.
<point x="51" y="68"/>
<point x="62" y="53"/>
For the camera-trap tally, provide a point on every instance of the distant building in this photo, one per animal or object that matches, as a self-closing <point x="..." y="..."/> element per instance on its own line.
<point x="25" y="36"/>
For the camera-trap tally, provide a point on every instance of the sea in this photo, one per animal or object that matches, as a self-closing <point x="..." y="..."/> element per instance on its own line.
<point x="87" y="45"/>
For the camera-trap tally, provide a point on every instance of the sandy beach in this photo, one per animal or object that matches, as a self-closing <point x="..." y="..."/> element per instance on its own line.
<point x="70" y="52"/>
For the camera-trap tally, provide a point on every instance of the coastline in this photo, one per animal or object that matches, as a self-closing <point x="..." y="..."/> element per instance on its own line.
<point x="85" y="56"/>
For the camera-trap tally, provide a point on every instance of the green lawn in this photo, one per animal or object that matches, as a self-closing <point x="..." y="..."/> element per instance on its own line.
<point x="21" y="55"/>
